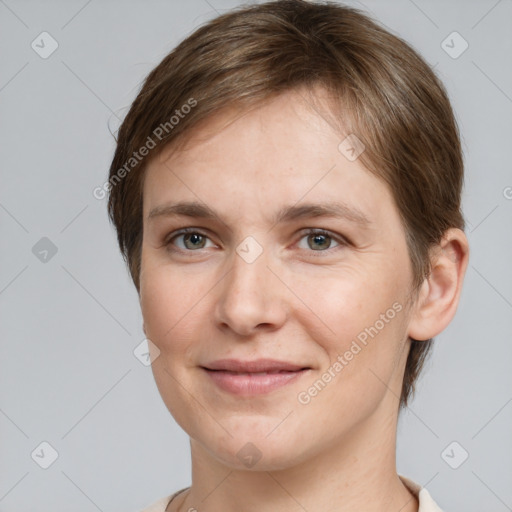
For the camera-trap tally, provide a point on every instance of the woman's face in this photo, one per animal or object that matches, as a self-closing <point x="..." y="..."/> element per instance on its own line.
<point x="303" y="260"/>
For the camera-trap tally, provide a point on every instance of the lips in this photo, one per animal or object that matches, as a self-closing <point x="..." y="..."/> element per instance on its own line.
<point x="256" y="366"/>
<point x="253" y="377"/>
<point x="253" y="373"/>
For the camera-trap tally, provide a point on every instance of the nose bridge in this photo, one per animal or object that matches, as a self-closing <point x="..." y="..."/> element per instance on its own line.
<point x="249" y="297"/>
<point x="249" y="268"/>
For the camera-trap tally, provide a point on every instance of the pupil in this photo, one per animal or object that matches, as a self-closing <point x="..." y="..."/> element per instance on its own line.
<point x="321" y="240"/>
<point x="195" y="239"/>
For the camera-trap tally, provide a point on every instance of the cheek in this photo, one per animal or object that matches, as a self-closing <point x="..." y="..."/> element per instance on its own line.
<point x="344" y="303"/>
<point x="364" y="325"/>
<point x="164" y="304"/>
<point x="359" y="322"/>
<point x="176" y="308"/>
<point x="155" y="300"/>
<point x="170" y="310"/>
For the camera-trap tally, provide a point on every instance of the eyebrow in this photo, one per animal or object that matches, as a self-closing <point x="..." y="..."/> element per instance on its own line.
<point x="286" y="214"/>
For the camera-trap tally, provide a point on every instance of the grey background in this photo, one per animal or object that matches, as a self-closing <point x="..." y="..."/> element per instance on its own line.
<point x="69" y="326"/>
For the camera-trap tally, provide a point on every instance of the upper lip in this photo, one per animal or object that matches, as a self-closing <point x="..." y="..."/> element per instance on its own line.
<point x="257" y="365"/>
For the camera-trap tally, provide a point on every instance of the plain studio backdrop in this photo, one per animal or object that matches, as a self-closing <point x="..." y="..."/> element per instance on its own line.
<point x="82" y="425"/>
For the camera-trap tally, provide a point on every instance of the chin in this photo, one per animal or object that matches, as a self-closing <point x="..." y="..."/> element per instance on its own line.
<point x="256" y="457"/>
<point x="256" y="449"/>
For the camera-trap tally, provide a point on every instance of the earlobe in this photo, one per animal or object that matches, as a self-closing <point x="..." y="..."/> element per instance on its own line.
<point x="440" y="292"/>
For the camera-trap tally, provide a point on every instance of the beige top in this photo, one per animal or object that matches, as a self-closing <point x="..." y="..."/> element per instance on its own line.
<point x="427" y="504"/>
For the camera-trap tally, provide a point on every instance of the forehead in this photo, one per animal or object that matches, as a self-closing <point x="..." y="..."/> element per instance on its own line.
<point x="312" y="106"/>
<point x="277" y="152"/>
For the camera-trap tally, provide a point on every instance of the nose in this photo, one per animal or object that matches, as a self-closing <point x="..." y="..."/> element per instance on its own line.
<point x="251" y="298"/>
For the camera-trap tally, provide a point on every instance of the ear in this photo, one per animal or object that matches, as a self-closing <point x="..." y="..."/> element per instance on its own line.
<point x="438" y="298"/>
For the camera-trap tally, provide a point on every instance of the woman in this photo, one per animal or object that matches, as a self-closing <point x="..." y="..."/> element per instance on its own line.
<point x="286" y="190"/>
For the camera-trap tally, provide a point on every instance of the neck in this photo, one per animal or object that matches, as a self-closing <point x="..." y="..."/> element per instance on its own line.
<point x="358" y="473"/>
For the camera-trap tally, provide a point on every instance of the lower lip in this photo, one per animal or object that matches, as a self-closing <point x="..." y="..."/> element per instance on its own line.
<point x="252" y="384"/>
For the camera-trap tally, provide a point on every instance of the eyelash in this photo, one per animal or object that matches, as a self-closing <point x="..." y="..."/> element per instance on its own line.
<point x="311" y="231"/>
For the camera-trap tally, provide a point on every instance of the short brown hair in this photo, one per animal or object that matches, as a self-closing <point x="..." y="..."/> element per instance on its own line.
<point x="389" y="96"/>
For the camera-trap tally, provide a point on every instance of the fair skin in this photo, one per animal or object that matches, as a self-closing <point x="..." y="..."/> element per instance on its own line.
<point x="303" y="300"/>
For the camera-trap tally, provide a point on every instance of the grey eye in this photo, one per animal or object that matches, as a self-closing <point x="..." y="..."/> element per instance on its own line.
<point x="318" y="241"/>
